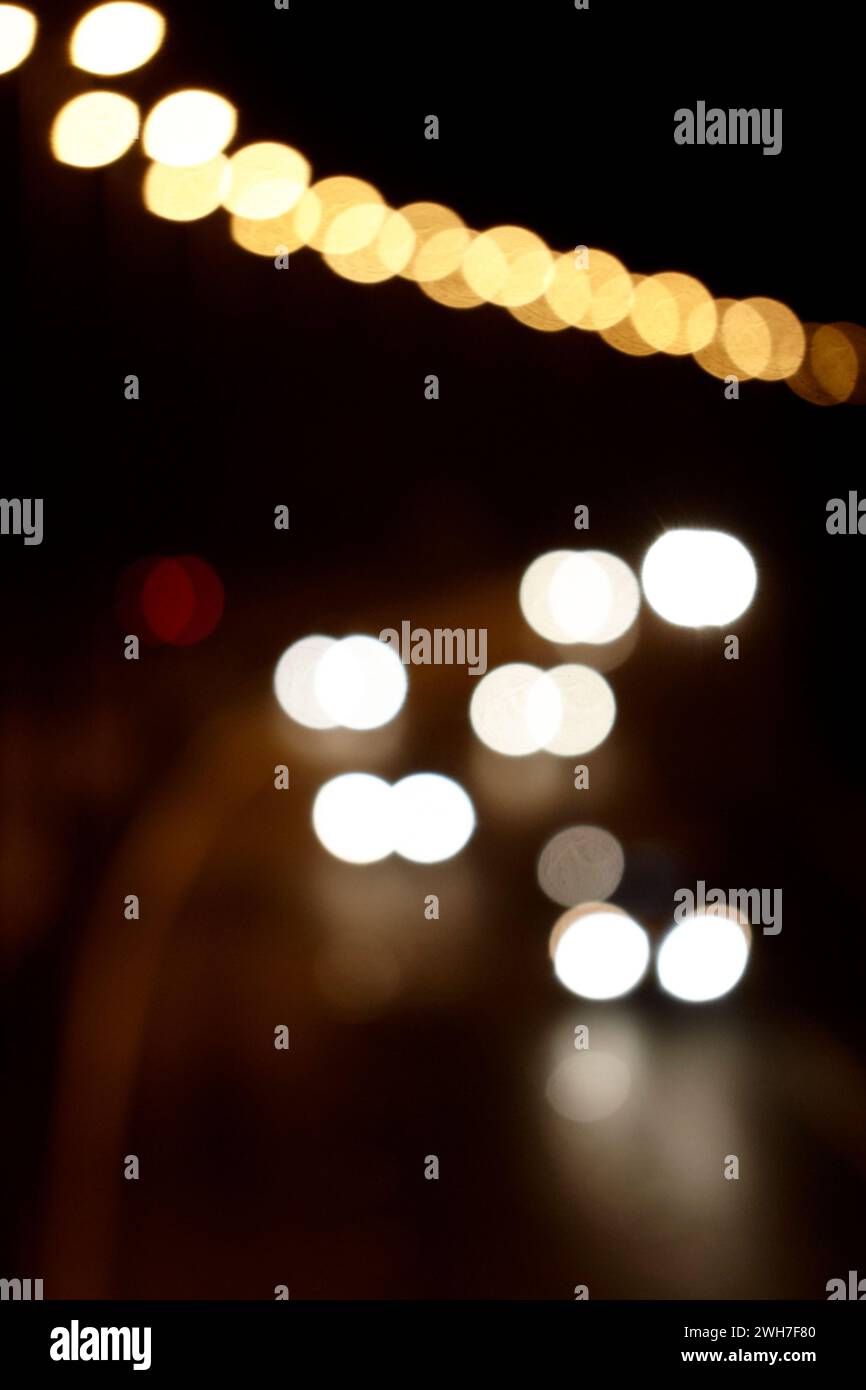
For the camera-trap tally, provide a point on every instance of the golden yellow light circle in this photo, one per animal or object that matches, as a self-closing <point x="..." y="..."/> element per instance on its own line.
<point x="326" y="202"/>
<point x="441" y="240"/>
<point x="270" y="237"/>
<point x="508" y="266"/>
<point x="713" y="357"/>
<point x="763" y="337"/>
<point x="673" y="313"/>
<point x="185" y="195"/>
<point x="569" y="291"/>
<point x="384" y="257"/>
<point x="265" y="180"/>
<point x="538" y="315"/>
<point x="623" y="336"/>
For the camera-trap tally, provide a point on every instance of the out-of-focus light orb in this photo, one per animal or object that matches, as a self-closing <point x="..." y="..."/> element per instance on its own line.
<point x="764" y="338"/>
<point x="185" y="195"/>
<point x="581" y="864"/>
<point x="94" y="129"/>
<point x="703" y="957"/>
<point x="580" y="597"/>
<point x="454" y="290"/>
<point x="589" y="1086"/>
<point x="17" y="36"/>
<point x="189" y="127"/>
<point x="384" y="256"/>
<point x="596" y="295"/>
<point x="537" y="314"/>
<point x="516" y="709"/>
<point x="360" y="682"/>
<point x="834" y="367"/>
<point x="623" y="336"/>
<point x="508" y="266"/>
<point x="697" y="578"/>
<point x="588" y="710"/>
<point x="600" y="953"/>
<point x="326" y="202"/>
<point x="433" y="817"/>
<point x="265" y="180"/>
<point x="674" y="313"/>
<point x="534" y="595"/>
<point x="116" y="38"/>
<point x="294" y="678"/>
<point x="353" y="817"/>
<point x="441" y="240"/>
<point x="570" y="596"/>
<point x="713" y="357"/>
<point x="270" y="236"/>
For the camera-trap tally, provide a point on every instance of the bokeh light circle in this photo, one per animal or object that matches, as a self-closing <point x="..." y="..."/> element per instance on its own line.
<point x="433" y="817"/>
<point x="697" y="578"/>
<point x="94" y="129"/>
<point x="515" y="709"/>
<point x="583" y="863"/>
<point x="116" y="37"/>
<point x="360" y="682"/>
<point x="353" y="817"/>
<point x="600" y="952"/>
<point x="294" y="681"/>
<point x="703" y="957"/>
<point x="188" y="127"/>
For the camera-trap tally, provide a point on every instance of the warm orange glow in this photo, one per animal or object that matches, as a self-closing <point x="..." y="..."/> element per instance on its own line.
<point x="673" y="313"/>
<point x="713" y="357"/>
<point x="271" y="237"/>
<point x="763" y="338"/>
<point x="833" y="370"/>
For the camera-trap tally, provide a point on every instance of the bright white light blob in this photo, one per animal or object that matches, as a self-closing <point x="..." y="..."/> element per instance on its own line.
<point x="353" y="817"/>
<point x="600" y="952"/>
<point x="516" y="709"/>
<point x="535" y="594"/>
<point x="588" y="710"/>
<point x="94" y="129"/>
<point x="293" y="682"/>
<point x="17" y="36"/>
<point x="189" y="127"/>
<point x="433" y="817"/>
<point x="116" y="38"/>
<point x="699" y="578"/>
<point x="589" y="1086"/>
<point x="360" y="682"/>
<point x="570" y="596"/>
<point x="703" y="957"/>
<point x="580" y="597"/>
